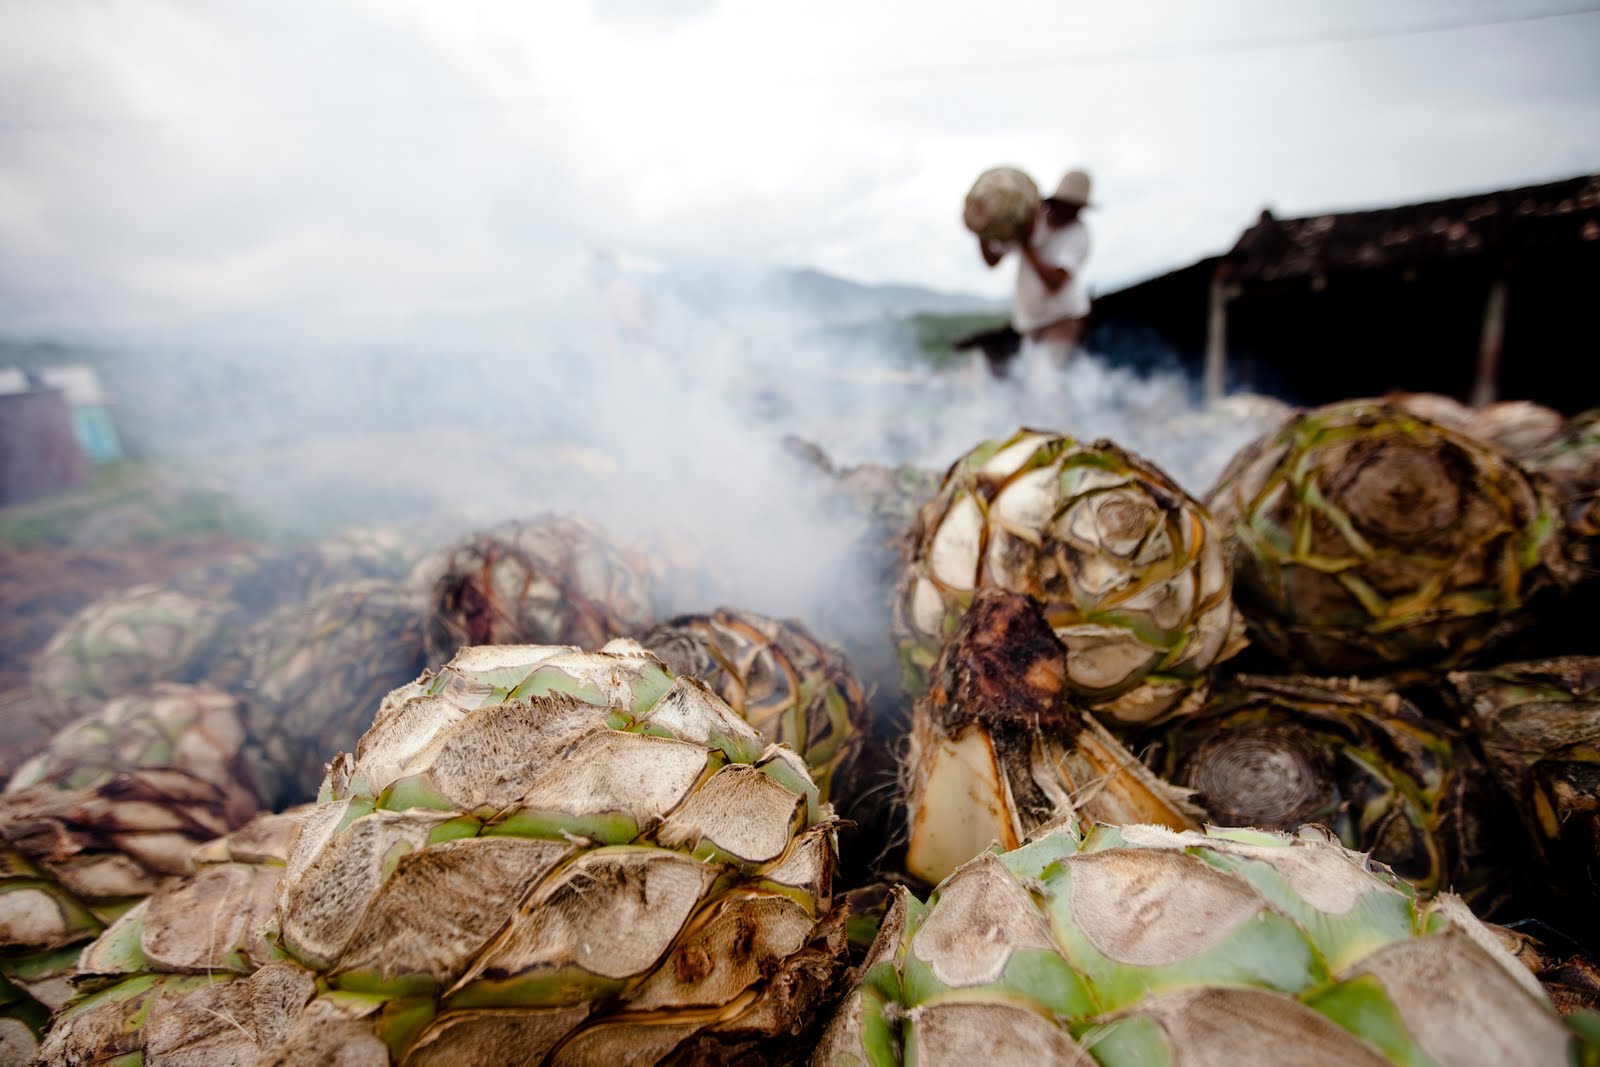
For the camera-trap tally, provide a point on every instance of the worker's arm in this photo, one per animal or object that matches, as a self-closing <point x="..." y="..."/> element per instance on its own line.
<point x="993" y="251"/>
<point x="1053" y="277"/>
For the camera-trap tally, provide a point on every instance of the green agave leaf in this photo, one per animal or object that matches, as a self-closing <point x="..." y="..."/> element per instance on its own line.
<point x="1377" y="918"/>
<point x="1267" y="952"/>
<point x="603" y="827"/>
<point x="1133" y="1041"/>
<point x="1362" y="1007"/>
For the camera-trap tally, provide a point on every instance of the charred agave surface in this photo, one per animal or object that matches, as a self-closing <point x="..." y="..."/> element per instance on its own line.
<point x="1125" y="566"/>
<point x="1571" y="464"/>
<point x="1539" y="723"/>
<point x="998" y="749"/>
<point x="1365" y="538"/>
<point x="1355" y="757"/>
<point x="111" y="809"/>
<point x="1568" y="974"/>
<point x="1140" y="945"/>
<point x="551" y="580"/>
<point x="794" y="689"/>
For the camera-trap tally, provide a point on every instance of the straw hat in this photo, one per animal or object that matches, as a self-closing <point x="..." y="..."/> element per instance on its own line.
<point x="1073" y="188"/>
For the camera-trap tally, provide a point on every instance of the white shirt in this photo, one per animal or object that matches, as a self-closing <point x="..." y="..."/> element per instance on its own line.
<point x="1066" y="247"/>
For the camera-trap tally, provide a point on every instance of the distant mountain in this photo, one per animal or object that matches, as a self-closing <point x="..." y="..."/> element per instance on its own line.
<point x="825" y="298"/>
<point x="832" y="296"/>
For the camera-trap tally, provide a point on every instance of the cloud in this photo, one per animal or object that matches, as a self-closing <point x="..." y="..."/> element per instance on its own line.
<point x="649" y="19"/>
<point x="170" y="159"/>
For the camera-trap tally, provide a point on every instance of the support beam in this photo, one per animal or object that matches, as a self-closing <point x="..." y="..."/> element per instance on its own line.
<point x="1217" y="336"/>
<point x="1486" y="387"/>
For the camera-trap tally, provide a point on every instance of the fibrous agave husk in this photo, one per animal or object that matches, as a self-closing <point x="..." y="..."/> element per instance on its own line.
<point x="1518" y="428"/>
<point x="258" y="582"/>
<point x="177" y="630"/>
<point x="1570" y="976"/>
<point x="311" y="672"/>
<point x="1515" y="427"/>
<point x="998" y="749"/>
<point x="540" y="855"/>
<point x="1570" y="462"/>
<point x="793" y="688"/>
<point x="189" y="975"/>
<point x="122" y="641"/>
<point x="1128" y="569"/>
<point x="108" y="812"/>
<point x="550" y="580"/>
<point x="1365" y="539"/>
<point x="1539" y="725"/>
<point x="1435" y="407"/>
<point x="1353" y="756"/>
<point x="1141" y="945"/>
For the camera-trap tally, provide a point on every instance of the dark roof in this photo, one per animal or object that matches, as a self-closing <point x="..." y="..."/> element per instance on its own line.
<point x="1532" y="219"/>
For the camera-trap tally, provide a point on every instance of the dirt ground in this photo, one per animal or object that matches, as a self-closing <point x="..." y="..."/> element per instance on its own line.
<point x="42" y="585"/>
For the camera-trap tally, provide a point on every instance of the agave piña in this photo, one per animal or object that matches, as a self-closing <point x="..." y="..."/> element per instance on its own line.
<point x="540" y="855"/>
<point x="1142" y="945"/>
<point x="1366" y="538"/>
<point x="1126" y="566"/>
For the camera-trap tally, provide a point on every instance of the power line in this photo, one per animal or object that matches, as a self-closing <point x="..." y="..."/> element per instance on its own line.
<point x="1102" y="59"/>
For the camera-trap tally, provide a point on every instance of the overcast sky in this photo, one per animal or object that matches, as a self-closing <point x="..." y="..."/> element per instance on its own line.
<point x="166" y="160"/>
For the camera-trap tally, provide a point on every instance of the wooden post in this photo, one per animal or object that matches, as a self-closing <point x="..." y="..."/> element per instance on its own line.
<point x="1486" y="388"/>
<point x="1217" y="336"/>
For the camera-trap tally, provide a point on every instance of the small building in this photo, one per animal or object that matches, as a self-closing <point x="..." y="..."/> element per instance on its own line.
<point x="87" y="404"/>
<point x="1480" y="297"/>
<point x="92" y="420"/>
<point x="39" y="452"/>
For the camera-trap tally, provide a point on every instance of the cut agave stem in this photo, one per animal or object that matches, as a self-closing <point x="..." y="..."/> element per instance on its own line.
<point x="998" y="749"/>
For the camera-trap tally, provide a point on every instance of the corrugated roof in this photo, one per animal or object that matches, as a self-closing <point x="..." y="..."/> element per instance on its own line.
<point x="1504" y="223"/>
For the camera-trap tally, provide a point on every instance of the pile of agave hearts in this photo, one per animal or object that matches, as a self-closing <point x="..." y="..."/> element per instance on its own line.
<point x="557" y="829"/>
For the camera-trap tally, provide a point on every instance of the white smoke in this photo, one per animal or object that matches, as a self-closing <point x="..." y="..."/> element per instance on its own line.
<point x="655" y="408"/>
<point x="930" y="419"/>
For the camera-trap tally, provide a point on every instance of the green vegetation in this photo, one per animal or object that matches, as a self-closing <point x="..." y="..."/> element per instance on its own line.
<point x="935" y="334"/>
<point x="142" y="503"/>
